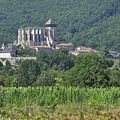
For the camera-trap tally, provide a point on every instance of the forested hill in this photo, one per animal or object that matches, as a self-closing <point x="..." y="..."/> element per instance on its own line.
<point x="92" y="23"/>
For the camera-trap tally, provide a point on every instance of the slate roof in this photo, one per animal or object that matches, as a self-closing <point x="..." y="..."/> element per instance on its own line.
<point x="8" y="48"/>
<point x="51" y="23"/>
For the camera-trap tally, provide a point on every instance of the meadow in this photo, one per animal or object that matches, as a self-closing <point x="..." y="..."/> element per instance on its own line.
<point x="59" y="103"/>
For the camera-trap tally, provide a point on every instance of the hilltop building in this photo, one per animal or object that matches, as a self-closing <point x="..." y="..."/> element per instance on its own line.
<point x="68" y="46"/>
<point x="82" y="50"/>
<point x="8" y="50"/>
<point x="38" y="36"/>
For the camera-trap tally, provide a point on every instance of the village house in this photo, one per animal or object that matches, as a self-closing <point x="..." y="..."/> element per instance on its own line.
<point x="8" y="50"/>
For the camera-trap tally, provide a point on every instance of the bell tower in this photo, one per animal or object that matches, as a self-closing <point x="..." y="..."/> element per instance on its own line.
<point x="51" y="32"/>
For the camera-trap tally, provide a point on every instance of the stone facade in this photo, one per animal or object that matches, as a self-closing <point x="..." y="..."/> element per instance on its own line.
<point x="38" y="36"/>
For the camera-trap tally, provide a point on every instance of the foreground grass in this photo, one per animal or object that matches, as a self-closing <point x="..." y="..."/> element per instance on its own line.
<point x="59" y="103"/>
<point x="61" y="112"/>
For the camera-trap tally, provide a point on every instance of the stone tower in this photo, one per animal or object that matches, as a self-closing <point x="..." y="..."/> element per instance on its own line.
<point x="51" y="33"/>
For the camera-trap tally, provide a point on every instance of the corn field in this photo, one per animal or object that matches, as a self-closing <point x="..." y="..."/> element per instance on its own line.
<point x="52" y="96"/>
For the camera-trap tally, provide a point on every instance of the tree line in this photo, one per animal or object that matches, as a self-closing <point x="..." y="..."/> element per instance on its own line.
<point x="62" y="68"/>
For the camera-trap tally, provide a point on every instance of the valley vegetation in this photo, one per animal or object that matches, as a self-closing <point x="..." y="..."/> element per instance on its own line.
<point x="60" y="86"/>
<point x="62" y="68"/>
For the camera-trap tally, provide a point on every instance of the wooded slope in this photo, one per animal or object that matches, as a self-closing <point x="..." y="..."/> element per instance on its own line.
<point x="92" y="23"/>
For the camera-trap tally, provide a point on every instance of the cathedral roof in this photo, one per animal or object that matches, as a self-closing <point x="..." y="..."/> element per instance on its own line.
<point x="50" y="23"/>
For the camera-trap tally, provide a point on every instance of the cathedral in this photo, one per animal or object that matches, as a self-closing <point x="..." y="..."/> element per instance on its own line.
<point x="38" y="36"/>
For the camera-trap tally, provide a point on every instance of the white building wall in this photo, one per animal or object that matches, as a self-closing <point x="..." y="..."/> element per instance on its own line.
<point x="5" y="55"/>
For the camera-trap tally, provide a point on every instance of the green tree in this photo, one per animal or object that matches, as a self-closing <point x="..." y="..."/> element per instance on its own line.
<point x="42" y="59"/>
<point x="26" y="52"/>
<point x="28" y="73"/>
<point x="46" y="78"/>
<point x="8" y="75"/>
<point x="89" y="71"/>
<point x="7" y="70"/>
<point x="1" y="66"/>
<point x="59" y="60"/>
<point x="105" y="51"/>
<point x="9" y="81"/>
<point x="49" y="78"/>
<point x="115" y="77"/>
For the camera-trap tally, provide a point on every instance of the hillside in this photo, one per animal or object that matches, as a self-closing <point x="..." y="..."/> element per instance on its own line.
<point x="84" y="22"/>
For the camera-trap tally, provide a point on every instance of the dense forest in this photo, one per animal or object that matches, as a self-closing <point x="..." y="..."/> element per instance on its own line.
<point x="84" y="22"/>
<point x="60" y="68"/>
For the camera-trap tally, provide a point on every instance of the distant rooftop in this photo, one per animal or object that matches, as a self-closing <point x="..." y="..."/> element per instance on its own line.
<point x="84" y="49"/>
<point x="40" y="47"/>
<point x="65" y="44"/>
<point x="32" y="28"/>
<point x="50" y="23"/>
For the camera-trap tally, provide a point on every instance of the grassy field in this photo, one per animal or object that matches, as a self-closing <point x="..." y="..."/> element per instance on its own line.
<point x="59" y="103"/>
<point x="61" y="112"/>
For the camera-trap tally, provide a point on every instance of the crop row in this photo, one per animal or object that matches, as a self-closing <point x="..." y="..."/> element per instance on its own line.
<point x="51" y="96"/>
